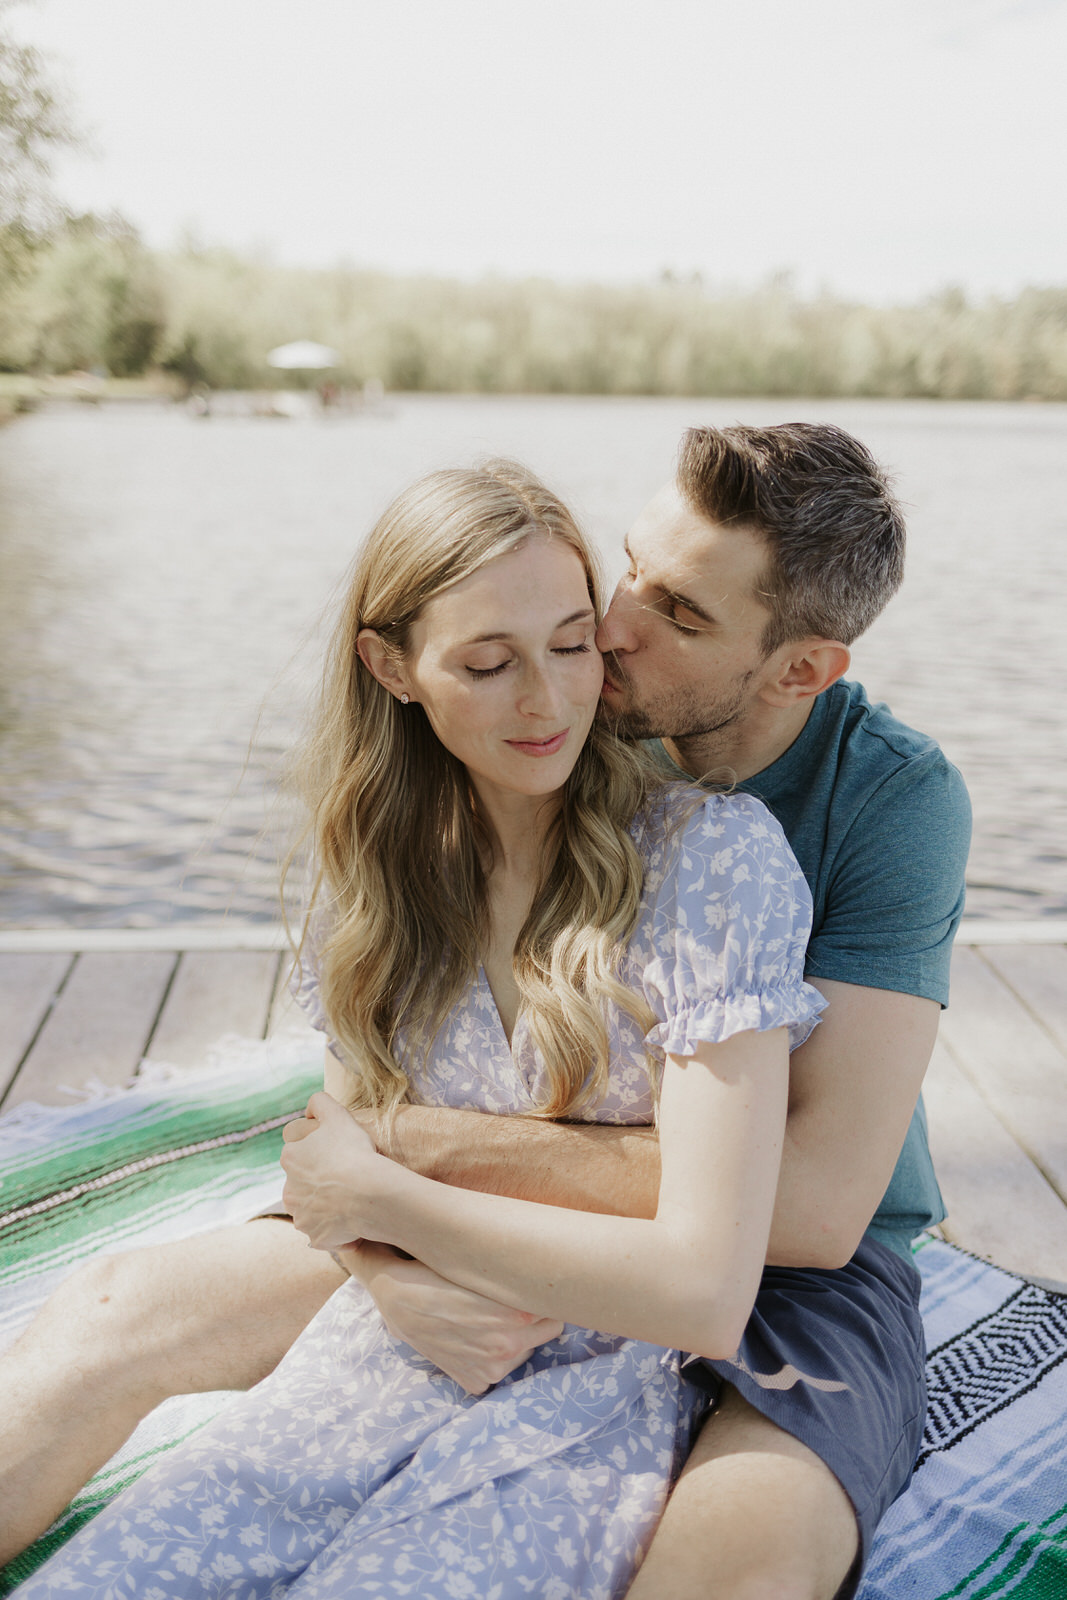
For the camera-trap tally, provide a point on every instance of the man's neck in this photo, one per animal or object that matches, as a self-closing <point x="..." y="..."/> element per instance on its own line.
<point x="750" y="745"/>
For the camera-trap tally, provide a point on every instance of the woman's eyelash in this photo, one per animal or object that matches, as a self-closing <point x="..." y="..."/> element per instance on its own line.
<point x="560" y="650"/>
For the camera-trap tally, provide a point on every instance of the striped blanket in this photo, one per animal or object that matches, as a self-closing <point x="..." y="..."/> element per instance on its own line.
<point x="986" y="1513"/>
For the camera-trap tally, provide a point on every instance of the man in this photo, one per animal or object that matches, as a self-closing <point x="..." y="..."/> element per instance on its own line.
<point x="749" y="577"/>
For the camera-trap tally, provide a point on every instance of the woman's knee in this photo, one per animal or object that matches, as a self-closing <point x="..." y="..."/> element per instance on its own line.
<point x="111" y="1308"/>
<point x="217" y="1311"/>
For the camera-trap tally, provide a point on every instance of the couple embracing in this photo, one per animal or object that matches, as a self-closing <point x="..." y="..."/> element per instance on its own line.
<point x="629" y="936"/>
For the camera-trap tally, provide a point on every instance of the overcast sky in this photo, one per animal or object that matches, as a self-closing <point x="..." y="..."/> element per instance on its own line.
<point x="883" y="148"/>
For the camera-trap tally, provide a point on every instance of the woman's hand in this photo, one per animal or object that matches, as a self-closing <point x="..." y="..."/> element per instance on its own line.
<point x="329" y="1163"/>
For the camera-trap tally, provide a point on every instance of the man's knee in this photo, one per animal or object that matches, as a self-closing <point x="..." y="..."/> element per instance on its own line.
<point x="803" y="1533"/>
<point x="756" y="1515"/>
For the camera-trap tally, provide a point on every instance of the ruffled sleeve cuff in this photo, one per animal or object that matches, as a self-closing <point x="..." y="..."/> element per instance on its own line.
<point x="718" y="1017"/>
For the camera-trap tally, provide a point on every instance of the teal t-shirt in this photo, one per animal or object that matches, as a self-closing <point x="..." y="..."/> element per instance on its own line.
<point x="880" y="823"/>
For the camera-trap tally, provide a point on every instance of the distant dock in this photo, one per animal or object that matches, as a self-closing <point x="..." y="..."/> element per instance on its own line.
<point x="88" y="1006"/>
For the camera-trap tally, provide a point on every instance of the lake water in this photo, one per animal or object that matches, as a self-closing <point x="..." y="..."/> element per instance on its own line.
<point x="163" y="578"/>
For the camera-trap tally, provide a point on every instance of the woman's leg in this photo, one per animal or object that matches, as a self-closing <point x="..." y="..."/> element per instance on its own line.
<point x="262" y="1488"/>
<point x="124" y="1333"/>
<point x="356" y="1459"/>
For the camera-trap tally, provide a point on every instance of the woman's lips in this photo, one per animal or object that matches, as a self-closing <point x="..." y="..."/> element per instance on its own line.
<point x="539" y="747"/>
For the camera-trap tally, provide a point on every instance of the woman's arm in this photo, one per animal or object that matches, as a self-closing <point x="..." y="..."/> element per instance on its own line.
<point x="471" y="1337"/>
<point x="686" y="1278"/>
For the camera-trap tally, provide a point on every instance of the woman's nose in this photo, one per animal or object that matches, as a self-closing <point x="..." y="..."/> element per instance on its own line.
<point x="539" y="693"/>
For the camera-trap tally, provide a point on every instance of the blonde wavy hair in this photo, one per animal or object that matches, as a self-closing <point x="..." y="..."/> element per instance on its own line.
<point x="399" y="905"/>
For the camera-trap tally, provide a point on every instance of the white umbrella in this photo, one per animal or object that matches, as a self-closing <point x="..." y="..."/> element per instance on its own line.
<point x="303" y="355"/>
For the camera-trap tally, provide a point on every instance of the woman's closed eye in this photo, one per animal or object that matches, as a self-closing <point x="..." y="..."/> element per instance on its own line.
<point x="488" y="672"/>
<point x="557" y="650"/>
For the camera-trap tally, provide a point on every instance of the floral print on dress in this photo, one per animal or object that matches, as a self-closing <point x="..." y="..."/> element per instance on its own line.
<point x="358" y="1468"/>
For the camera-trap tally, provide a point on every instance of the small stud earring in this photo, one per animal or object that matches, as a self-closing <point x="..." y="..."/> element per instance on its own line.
<point x="403" y="699"/>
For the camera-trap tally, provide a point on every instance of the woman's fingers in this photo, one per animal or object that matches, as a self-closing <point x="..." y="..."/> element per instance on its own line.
<point x="299" y="1128"/>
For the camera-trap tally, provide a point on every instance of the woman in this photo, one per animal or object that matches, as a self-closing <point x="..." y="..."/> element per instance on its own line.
<point x="511" y="914"/>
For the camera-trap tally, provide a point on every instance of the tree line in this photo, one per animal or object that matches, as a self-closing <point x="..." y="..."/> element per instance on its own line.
<point x="85" y="294"/>
<point x="91" y="296"/>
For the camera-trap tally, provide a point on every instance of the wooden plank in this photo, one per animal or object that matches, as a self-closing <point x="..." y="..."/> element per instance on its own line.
<point x="99" y="1027"/>
<point x="214" y="993"/>
<point x="1011" y="1060"/>
<point x="224" y="935"/>
<point x="999" y="1205"/>
<point x="1038" y="974"/>
<point x="28" y="985"/>
<point x="983" y="931"/>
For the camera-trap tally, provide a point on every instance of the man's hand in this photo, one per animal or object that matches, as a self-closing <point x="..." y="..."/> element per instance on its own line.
<point x="474" y="1340"/>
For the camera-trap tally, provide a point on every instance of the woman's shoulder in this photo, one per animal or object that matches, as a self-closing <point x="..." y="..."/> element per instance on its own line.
<point x="726" y="845"/>
<point x="682" y="815"/>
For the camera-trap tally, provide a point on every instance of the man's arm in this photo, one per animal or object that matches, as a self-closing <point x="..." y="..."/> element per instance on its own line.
<point x="853" y="1088"/>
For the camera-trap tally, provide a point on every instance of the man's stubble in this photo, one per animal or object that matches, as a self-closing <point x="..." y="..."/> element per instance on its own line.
<point x="682" y="715"/>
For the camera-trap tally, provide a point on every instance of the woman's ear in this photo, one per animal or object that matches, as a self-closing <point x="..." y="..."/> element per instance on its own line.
<point x="382" y="664"/>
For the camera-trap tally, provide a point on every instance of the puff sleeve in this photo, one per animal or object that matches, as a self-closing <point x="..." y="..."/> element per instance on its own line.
<point x="721" y="948"/>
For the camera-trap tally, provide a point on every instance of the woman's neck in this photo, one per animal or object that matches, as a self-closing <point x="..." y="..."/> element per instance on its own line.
<point x="517" y="825"/>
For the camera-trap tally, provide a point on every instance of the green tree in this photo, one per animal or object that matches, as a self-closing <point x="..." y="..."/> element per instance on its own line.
<point x="94" y="300"/>
<point x="32" y="125"/>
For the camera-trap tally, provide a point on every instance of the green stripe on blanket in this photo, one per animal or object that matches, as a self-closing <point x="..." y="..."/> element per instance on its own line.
<point x="986" y="1513"/>
<point x="175" y="1155"/>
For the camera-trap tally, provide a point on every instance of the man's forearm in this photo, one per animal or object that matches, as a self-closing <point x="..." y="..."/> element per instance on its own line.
<point x="582" y="1166"/>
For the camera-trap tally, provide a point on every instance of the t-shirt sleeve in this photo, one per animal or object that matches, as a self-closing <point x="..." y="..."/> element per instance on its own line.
<point x="731" y="914"/>
<point x="895" y="892"/>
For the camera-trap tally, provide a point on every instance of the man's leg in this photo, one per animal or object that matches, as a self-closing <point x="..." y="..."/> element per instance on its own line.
<point x="754" y="1516"/>
<point x="125" y="1332"/>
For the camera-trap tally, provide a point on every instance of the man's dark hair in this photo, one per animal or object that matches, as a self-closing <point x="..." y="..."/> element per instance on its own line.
<point x="820" y="502"/>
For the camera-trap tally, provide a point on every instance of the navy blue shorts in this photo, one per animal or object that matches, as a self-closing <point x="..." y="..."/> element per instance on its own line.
<point x="837" y="1358"/>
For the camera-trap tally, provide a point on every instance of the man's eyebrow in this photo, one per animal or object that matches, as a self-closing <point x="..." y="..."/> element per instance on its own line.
<point x="495" y="638"/>
<point x="672" y="594"/>
<point x="688" y="605"/>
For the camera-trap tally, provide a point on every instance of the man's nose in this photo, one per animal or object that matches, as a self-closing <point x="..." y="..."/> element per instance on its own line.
<point x="616" y="631"/>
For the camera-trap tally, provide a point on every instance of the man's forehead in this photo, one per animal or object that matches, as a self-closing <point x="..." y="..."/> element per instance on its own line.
<point x="682" y="549"/>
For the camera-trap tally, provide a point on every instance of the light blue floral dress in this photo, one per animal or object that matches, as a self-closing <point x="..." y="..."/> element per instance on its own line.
<point x="359" y="1469"/>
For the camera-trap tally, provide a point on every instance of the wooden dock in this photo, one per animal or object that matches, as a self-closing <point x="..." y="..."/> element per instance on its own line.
<point x="87" y="1008"/>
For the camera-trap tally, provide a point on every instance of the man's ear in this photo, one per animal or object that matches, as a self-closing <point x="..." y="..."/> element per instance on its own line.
<point x="381" y="663"/>
<point x="802" y="669"/>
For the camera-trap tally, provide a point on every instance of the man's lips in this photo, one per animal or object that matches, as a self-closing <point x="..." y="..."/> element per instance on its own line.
<point x="539" y="747"/>
<point x="612" y="685"/>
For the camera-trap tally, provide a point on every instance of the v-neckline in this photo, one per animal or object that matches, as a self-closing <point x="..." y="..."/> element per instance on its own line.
<point x="509" y="1044"/>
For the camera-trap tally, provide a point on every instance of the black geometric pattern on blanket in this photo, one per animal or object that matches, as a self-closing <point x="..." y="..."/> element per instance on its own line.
<point x="992" y="1363"/>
